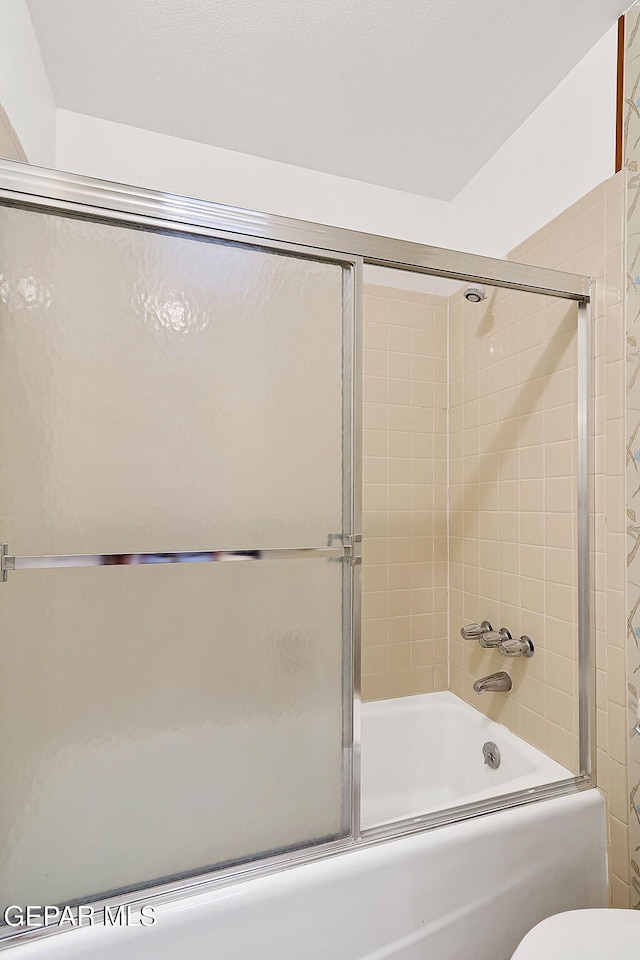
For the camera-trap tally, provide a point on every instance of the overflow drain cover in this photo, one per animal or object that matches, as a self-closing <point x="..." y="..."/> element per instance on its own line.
<point x="491" y="755"/>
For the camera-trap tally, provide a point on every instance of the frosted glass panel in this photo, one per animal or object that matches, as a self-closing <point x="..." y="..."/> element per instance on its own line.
<point x="161" y="719"/>
<point x="166" y="393"/>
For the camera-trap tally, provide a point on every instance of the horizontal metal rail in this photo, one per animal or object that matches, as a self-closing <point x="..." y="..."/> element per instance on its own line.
<point x="31" y="186"/>
<point x="10" y="563"/>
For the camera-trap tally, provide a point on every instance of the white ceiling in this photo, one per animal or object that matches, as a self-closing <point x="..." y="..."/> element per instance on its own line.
<point x="411" y="94"/>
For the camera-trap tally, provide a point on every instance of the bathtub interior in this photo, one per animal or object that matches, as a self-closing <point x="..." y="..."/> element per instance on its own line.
<point x="424" y="753"/>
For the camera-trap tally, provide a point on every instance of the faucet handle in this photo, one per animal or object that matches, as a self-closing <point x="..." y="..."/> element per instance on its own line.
<point x="491" y="639"/>
<point x="512" y="647"/>
<point x="474" y="631"/>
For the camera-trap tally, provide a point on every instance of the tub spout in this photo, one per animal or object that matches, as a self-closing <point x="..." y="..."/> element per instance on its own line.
<point x="495" y="683"/>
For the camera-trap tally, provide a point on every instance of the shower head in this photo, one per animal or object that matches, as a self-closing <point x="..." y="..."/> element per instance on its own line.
<point x="475" y="293"/>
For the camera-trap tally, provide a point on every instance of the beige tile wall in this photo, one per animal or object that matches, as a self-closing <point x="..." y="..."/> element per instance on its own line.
<point x="511" y="550"/>
<point x="513" y="536"/>
<point x="512" y="508"/>
<point x="596" y="225"/>
<point x="10" y="146"/>
<point x="404" y="631"/>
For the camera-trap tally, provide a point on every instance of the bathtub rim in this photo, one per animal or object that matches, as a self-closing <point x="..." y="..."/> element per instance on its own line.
<point x="176" y="889"/>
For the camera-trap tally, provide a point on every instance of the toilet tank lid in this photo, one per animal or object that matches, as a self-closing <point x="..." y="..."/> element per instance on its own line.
<point x="588" y="934"/>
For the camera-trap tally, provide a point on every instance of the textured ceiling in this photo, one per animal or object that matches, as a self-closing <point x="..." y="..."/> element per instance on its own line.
<point x="412" y="94"/>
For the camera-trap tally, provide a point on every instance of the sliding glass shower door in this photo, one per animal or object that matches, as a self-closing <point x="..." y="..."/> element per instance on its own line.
<point x="167" y="402"/>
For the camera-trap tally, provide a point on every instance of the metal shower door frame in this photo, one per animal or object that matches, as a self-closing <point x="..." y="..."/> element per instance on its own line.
<point x="50" y="191"/>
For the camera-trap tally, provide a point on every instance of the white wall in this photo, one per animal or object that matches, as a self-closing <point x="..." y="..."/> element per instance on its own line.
<point x="25" y="93"/>
<point x="561" y="152"/>
<point x="113" y="151"/>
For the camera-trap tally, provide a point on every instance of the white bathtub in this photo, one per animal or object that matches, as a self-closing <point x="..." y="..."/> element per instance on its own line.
<point x="467" y="891"/>
<point x="424" y="753"/>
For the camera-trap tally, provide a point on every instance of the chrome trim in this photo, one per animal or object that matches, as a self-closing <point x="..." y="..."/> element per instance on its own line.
<point x="507" y="801"/>
<point x="33" y="186"/>
<point x="8" y="562"/>
<point x="350" y="541"/>
<point x="586" y="661"/>
<point x="356" y="514"/>
<point x="177" y="889"/>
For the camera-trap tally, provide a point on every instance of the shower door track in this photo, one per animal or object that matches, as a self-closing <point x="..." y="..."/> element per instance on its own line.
<point x="37" y="187"/>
